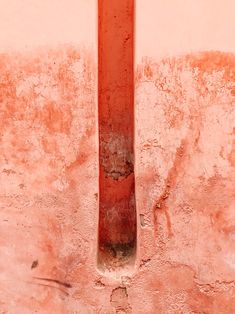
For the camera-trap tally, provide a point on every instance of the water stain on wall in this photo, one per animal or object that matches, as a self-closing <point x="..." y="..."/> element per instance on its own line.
<point x="184" y="185"/>
<point x="47" y="164"/>
<point x="185" y="126"/>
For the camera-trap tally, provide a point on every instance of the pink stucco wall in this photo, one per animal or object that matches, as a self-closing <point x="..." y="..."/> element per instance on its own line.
<point x="184" y="160"/>
<point x="185" y="155"/>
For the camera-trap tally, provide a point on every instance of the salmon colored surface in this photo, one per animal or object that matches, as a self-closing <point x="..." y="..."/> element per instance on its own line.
<point x="178" y="134"/>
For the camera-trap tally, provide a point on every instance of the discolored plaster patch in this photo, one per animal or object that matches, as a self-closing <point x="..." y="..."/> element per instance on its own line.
<point x="190" y="270"/>
<point x="119" y="300"/>
<point x="48" y="113"/>
<point x="184" y="134"/>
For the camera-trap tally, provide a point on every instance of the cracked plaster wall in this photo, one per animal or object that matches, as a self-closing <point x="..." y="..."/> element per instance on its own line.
<point x="184" y="184"/>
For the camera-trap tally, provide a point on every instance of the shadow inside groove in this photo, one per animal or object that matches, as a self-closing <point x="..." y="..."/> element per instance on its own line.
<point x="117" y="208"/>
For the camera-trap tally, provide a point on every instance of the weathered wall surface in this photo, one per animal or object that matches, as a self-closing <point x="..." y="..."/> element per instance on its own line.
<point x="185" y="156"/>
<point x="186" y="159"/>
<point x="48" y="176"/>
<point x="184" y="168"/>
<point x="49" y="156"/>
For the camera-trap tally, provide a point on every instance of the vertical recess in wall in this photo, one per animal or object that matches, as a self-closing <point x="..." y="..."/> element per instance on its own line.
<point x="117" y="209"/>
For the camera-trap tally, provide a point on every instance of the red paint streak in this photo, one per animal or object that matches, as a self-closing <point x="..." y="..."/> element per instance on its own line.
<point x="212" y="78"/>
<point x="161" y="203"/>
<point x="117" y="219"/>
<point x="210" y="61"/>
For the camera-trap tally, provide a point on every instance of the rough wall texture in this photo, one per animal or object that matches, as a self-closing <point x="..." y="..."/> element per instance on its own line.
<point x="185" y="156"/>
<point x="184" y="170"/>
<point x="184" y="173"/>
<point x="48" y="177"/>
